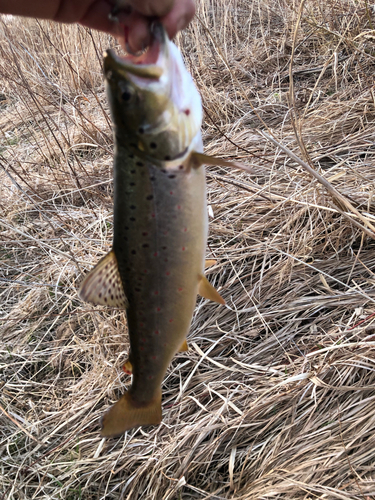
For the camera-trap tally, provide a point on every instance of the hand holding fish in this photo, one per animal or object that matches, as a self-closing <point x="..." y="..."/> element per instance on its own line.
<point x="133" y="15"/>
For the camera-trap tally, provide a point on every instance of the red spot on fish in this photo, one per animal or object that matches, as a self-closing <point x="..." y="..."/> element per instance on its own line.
<point x="165" y="233"/>
<point x="150" y="377"/>
<point x="145" y="271"/>
<point x="156" y="292"/>
<point x="165" y="344"/>
<point x="185" y="229"/>
<point x="156" y="332"/>
<point x="187" y="112"/>
<point x="141" y="324"/>
<point x="158" y="309"/>
<point x="167" y="273"/>
<point x="153" y="215"/>
<point x="143" y="340"/>
<point x="170" y="192"/>
<point x="126" y="370"/>
<point x="156" y="254"/>
<point x="178" y="207"/>
<point x="171" y="320"/>
<point x="165" y="260"/>
<point x="153" y="357"/>
<point x="180" y="289"/>
<point x="144" y="234"/>
<point x="183" y="249"/>
<point x="141" y="348"/>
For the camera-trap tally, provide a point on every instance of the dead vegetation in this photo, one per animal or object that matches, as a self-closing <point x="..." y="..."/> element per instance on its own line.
<point x="275" y="398"/>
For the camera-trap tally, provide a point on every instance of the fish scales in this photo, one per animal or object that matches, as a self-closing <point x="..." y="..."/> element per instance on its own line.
<point x="160" y="231"/>
<point x="155" y="268"/>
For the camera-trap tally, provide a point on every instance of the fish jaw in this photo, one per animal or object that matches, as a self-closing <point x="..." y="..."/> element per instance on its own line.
<point x="154" y="104"/>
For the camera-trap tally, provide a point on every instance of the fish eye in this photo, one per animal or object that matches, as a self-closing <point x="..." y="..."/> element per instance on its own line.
<point x="126" y="95"/>
<point x="126" y="92"/>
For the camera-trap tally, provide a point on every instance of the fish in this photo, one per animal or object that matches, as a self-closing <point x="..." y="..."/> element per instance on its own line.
<point x="155" y="268"/>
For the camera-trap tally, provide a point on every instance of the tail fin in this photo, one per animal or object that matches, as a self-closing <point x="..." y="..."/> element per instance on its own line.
<point x="125" y="415"/>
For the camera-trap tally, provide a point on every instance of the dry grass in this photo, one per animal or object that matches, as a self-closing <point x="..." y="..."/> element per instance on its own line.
<point x="275" y="398"/>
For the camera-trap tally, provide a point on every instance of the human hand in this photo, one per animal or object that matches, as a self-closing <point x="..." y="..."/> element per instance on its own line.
<point x="134" y="16"/>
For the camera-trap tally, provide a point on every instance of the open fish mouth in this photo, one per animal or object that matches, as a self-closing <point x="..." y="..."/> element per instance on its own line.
<point x="150" y="64"/>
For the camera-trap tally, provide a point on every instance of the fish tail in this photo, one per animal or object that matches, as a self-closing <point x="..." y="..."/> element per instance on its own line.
<point x="126" y="414"/>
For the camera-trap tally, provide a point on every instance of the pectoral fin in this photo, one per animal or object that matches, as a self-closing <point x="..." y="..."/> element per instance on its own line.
<point x="206" y="290"/>
<point x="209" y="263"/>
<point x="199" y="159"/>
<point x="103" y="285"/>
<point x="126" y="414"/>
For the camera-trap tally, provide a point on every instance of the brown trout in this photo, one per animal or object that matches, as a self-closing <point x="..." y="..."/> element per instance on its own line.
<point x="155" y="268"/>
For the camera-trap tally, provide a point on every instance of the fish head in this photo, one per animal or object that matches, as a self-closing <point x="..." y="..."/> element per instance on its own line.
<point x="154" y="104"/>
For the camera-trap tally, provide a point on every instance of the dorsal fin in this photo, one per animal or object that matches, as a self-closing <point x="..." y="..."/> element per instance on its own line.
<point x="103" y="285"/>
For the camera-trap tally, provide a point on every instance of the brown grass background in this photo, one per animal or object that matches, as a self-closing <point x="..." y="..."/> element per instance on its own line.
<point x="275" y="398"/>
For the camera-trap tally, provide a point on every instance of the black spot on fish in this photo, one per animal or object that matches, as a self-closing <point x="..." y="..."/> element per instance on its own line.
<point x="141" y="130"/>
<point x="152" y="178"/>
<point x="167" y="158"/>
<point x="133" y="145"/>
<point x="137" y="289"/>
<point x="133" y="207"/>
<point x="145" y="245"/>
<point x="153" y="145"/>
<point x="181" y="167"/>
<point x="100" y="294"/>
<point x="134" y="252"/>
<point x="132" y="183"/>
<point x="163" y="248"/>
<point x="139" y="164"/>
<point x="112" y="297"/>
<point x="131" y="155"/>
<point x="172" y="176"/>
<point x="149" y="197"/>
<point x="163" y="171"/>
<point x="132" y="219"/>
<point x="132" y="171"/>
<point x="126" y="228"/>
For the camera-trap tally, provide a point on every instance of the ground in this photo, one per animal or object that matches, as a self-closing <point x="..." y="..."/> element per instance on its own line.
<point x="275" y="397"/>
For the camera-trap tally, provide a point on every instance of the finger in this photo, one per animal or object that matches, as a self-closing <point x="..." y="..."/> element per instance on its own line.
<point x="179" y="17"/>
<point x="135" y="31"/>
<point x="97" y="17"/>
<point x="149" y="8"/>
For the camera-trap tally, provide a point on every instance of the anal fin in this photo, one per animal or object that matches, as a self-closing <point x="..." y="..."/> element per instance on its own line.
<point x="126" y="414"/>
<point x="103" y="285"/>
<point x="206" y="290"/>
<point x="184" y="347"/>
